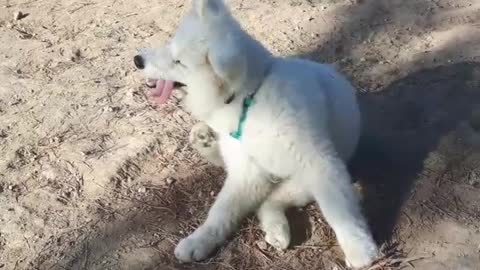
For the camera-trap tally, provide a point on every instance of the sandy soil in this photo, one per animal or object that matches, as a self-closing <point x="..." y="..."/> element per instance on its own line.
<point x="92" y="176"/>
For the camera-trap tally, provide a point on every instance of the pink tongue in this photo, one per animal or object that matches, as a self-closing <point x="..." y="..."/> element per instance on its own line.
<point x="163" y="91"/>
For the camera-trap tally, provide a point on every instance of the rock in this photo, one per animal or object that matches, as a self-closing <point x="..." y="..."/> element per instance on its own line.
<point x="75" y="55"/>
<point x="262" y="245"/>
<point x="55" y="140"/>
<point x="170" y="181"/>
<point x="18" y="15"/>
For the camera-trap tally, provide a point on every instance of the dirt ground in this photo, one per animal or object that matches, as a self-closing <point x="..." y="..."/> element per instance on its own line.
<point x="92" y="176"/>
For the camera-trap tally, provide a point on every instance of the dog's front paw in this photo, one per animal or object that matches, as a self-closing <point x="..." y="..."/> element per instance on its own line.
<point x="361" y="254"/>
<point x="277" y="235"/>
<point x="191" y="250"/>
<point x="196" y="247"/>
<point x="205" y="141"/>
<point x="202" y="136"/>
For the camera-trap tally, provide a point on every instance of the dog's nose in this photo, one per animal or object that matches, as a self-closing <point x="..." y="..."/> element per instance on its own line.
<point x="138" y="60"/>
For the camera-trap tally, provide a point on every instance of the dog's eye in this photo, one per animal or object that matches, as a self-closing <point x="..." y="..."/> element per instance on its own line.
<point x="177" y="62"/>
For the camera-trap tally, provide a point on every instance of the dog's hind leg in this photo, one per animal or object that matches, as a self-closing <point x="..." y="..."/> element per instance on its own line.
<point x="204" y="139"/>
<point x="245" y="188"/>
<point x="272" y="212"/>
<point x="316" y="167"/>
<point x="329" y="183"/>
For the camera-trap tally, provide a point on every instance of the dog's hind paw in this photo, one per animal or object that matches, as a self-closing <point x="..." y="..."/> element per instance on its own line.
<point x="361" y="254"/>
<point x="278" y="236"/>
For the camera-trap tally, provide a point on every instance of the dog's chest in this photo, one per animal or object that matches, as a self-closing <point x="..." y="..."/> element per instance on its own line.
<point x="265" y="135"/>
<point x="225" y="120"/>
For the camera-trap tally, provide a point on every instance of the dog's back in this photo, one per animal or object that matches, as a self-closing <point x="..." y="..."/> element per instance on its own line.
<point x="327" y="98"/>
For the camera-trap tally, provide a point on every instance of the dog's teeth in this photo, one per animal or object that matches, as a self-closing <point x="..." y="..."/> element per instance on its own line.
<point x="151" y="83"/>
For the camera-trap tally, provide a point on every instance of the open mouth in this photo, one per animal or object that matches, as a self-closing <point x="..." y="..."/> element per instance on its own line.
<point x="162" y="89"/>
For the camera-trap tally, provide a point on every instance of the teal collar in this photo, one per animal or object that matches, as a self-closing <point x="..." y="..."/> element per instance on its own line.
<point x="248" y="101"/>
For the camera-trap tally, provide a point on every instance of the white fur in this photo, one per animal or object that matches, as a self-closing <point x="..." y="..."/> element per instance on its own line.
<point x="302" y="128"/>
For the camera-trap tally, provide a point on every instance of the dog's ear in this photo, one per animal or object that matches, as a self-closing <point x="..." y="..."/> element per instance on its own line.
<point x="209" y="8"/>
<point x="229" y="67"/>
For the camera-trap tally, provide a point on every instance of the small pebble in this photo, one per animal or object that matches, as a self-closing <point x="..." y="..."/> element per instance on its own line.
<point x="170" y="181"/>
<point x="76" y="55"/>
<point x="55" y="139"/>
<point x="262" y="245"/>
<point x="474" y="183"/>
<point x="17" y="15"/>
<point x="112" y="109"/>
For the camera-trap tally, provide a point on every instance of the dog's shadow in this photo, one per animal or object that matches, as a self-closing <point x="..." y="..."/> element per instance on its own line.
<point x="401" y="125"/>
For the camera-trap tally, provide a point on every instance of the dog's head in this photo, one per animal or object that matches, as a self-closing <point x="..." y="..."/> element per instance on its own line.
<point x="209" y="56"/>
<point x="184" y="60"/>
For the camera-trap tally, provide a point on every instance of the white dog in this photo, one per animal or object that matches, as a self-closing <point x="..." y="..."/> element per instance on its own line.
<point x="284" y="127"/>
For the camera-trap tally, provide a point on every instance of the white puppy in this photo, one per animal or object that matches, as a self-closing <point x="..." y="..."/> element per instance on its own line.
<point x="284" y="127"/>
